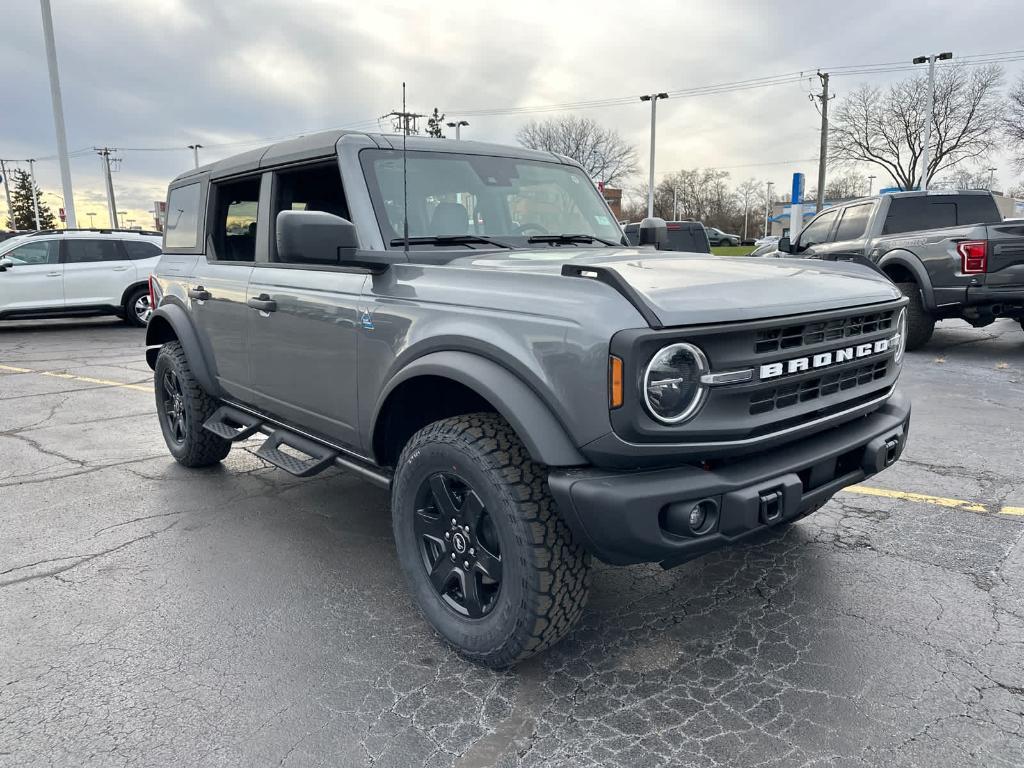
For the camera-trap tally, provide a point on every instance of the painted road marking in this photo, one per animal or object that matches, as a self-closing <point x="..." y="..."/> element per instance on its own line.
<point x="72" y="377"/>
<point x="940" y="501"/>
<point x="864" y="490"/>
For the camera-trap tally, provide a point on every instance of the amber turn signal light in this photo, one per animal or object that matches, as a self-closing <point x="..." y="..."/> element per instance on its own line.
<point x="614" y="382"/>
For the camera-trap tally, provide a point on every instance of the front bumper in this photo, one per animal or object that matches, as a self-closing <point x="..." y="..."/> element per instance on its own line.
<point x="620" y="517"/>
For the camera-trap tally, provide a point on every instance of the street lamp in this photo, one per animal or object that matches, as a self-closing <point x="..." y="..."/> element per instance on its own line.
<point x="930" y="60"/>
<point x="991" y="178"/>
<point x="92" y="218"/>
<point x="195" y="153"/>
<point x="871" y="185"/>
<point x="120" y="216"/>
<point x="653" y="98"/>
<point x="457" y="126"/>
<point x="768" y="206"/>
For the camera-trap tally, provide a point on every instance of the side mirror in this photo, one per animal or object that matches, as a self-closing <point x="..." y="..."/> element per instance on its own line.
<point x="323" y="239"/>
<point x="784" y="245"/>
<point x="653" y="231"/>
<point x="5" y="264"/>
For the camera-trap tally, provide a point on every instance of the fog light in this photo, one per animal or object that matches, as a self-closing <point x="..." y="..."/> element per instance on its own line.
<point x="697" y="517"/>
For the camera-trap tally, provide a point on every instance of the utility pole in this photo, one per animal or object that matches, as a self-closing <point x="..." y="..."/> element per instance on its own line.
<point x="195" y="152"/>
<point x="871" y="185"/>
<point x="104" y="154"/>
<point x="823" y="150"/>
<point x="991" y="178"/>
<point x="7" y="192"/>
<point x="58" y="113"/>
<point x="405" y="122"/>
<point x="746" y="212"/>
<point x="930" y="60"/>
<point x="35" y="196"/>
<point x="767" y="206"/>
<point x="653" y="98"/>
<point x="675" y="203"/>
<point x="457" y="125"/>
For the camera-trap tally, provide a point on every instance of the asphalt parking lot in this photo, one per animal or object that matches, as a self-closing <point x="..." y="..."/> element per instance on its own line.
<point x="154" y="616"/>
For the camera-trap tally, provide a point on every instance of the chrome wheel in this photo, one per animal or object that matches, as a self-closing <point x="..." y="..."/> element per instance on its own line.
<point x="142" y="308"/>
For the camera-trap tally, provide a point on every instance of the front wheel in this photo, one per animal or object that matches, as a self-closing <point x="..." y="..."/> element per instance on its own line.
<point x="183" y="407"/>
<point x="489" y="561"/>
<point x="920" y="322"/>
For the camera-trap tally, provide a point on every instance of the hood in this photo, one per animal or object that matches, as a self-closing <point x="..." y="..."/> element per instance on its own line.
<point x="672" y="288"/>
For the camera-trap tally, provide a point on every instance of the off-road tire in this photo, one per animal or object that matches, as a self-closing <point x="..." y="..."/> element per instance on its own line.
<point x="129" y="306"/>
<point x="200" y="447"/>
<point x="920" y="322"/>
<point x="545" y="573"/>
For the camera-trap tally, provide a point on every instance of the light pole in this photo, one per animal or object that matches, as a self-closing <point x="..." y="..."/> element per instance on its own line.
<point x="991" y="178"/>
<point x="35" y="196"/>
<point x="871" y="185"/>
<point x="58" y="113"/>
<point x="457" y="126"/>
<point x="930" y="60"/>
<point x="653" y="98"/>
<point x="767" y="206"/>
<point x="195" y="153"/>
<point x="120" y="216"/>
<point x="92" y="219"/>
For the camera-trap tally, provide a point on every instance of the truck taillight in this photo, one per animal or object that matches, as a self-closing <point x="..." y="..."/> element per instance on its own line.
<point x="973" y="256"/>
<point x="152" y="294"/>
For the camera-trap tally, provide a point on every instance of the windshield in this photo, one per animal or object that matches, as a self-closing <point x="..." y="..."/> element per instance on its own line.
<point x="504" y="198"/>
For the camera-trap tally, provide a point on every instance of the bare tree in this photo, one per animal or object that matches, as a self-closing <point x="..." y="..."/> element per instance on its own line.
<point x="601" y="151"/>
<point x="1013" y="123"/>
<point x="886" y="128"/>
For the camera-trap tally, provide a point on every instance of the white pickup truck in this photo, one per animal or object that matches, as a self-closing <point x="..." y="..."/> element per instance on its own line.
<point x="58" y="273"/>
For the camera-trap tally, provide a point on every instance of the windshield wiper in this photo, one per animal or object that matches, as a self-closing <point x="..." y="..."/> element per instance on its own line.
<point x="571" y="239"/>
<point x="449" y="240"/>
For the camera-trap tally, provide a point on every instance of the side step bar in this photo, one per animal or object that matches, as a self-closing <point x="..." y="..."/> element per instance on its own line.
<point x="298" y="454"/>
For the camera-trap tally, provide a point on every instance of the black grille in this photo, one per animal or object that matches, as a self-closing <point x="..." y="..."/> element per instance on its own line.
<point x="811" y="389"/>
<point x="838" y="329"/>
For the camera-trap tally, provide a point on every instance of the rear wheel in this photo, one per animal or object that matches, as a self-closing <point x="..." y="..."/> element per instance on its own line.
<point x="920" y="322"/>
<point x="137" y="309"/>
<point x="490" y="563"/>
<point x="183" y="407"/>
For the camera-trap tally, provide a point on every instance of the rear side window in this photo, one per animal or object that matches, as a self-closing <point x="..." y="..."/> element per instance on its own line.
<point x="689" y="239"/>
<point x="909" y="214"/>
<point x="86" y="251"/>
<point x="182" y="230"/>
<point x="854" y="222"/>
<point x="139" y="249"/>
<point x="234" y="220"/>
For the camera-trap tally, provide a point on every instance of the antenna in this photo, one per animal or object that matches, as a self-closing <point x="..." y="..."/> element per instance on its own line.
<point x="405" y="180"/>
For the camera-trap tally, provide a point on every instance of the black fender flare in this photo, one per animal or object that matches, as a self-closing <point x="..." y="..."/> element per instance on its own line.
<point x="174" y="318"/>
<point x="543" y="435"/>
<point x="913" y="263"/>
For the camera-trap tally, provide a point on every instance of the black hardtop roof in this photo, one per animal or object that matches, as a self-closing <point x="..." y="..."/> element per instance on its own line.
<point x="323" y="143"/>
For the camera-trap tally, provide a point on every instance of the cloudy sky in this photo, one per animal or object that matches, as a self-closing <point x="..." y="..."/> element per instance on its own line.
<point x="151" y="78"/>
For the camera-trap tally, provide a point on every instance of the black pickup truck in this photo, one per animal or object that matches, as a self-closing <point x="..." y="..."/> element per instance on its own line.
<point x="951" y="254"/>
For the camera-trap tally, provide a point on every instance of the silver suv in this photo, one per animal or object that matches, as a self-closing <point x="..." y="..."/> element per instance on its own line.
<point x="61" y="272"/>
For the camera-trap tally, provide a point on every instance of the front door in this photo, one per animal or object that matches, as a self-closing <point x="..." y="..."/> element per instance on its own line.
<point x="96" y="272"/>
<point x="34" y="282"/>
<point x="302" y="346"/>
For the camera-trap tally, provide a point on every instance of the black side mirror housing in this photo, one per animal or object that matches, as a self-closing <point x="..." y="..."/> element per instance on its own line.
<point x="323" y="239"/>
<point x="784" y="245"/>
<point x="6" y="264"/>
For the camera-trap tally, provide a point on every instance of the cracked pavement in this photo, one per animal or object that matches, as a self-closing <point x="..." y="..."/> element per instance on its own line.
<point x="154" y="616"/>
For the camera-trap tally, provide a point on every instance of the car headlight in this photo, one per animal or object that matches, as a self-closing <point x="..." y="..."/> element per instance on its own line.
<point x="672" y="387"/>
<point x="900" y="339"/>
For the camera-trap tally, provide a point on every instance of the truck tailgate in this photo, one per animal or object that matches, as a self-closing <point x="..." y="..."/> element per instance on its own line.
<point x="1005" y="256"/>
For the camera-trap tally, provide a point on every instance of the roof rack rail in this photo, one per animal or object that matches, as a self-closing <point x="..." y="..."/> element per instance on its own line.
<point x="98" y="230"/>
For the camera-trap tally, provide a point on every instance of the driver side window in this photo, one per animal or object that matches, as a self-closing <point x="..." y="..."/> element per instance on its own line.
<point x="42" y="252"/>
<point x="817" y="231"/>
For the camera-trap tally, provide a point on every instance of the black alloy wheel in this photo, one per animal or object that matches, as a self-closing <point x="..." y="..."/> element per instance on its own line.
<point x="175" y="412"/>
<point x="458" y="544"/>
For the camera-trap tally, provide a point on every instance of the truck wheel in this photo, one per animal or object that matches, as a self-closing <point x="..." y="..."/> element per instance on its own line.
<point x="489" y="561"/>
<point x="136" y="308"/>
<point x="183" y="407"/>
<point x="920" y="323"/>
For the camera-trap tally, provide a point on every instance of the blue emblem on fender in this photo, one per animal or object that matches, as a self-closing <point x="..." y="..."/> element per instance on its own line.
<point x="366" y="320"/>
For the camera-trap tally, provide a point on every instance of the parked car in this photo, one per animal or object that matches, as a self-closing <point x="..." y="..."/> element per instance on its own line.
<point x="72" y="272"/>
<point x="689" y="236"/>
<point x="951" y="254"/>
<point x="530" y="390"/>
<point x="767" y="240"/>
<point x="766" y="249"/>
<point x="718" y="237"/>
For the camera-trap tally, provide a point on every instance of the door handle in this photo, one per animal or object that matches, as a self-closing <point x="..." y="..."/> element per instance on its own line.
<point x="53" y="274"/>
<point x="199" y="293"/>
<point x="120" y="269"/>
<point x="263" y="303"/>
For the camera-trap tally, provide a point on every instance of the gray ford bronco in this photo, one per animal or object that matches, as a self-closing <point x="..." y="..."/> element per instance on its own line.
<point x="533" y="391"/>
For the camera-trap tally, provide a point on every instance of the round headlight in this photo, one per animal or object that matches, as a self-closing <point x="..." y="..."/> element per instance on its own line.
<point x="672" y="388"/>
<point x="900" y="338"/>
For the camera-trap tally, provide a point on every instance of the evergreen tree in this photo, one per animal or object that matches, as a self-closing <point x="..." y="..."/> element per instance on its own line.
<point x="21" y="205"/>
<point x="434" y="124"/>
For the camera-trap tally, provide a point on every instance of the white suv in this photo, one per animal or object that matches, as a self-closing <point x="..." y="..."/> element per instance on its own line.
<point x="78" y="272"/>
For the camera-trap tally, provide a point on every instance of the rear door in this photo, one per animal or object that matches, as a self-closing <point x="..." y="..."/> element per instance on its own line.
<point x="96" y="272"/>
<point x="35" y="281"/>
<point x="303" y="352"/>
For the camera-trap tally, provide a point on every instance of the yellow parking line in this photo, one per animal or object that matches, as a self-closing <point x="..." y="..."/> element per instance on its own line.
<point x="941" y="501"/>
<point x="72" y="377"/>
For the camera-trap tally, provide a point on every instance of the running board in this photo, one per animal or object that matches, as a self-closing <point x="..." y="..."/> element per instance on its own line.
<point x="233" y="424"/>
<point x="314" y="458"/>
